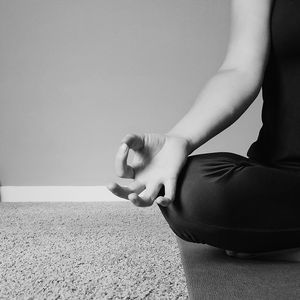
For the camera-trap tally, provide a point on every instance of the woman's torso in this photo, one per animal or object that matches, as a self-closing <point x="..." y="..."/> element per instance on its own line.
<point x="278" y="142"/>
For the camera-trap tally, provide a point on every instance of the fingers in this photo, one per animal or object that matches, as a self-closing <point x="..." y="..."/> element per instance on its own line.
<point x="134" y="141"/>
<point x="139" y="201"/>
<point x="170" y="189"/>
<point x="146" y="197"/>
<point x="151" y="191"/>
<point x="136" y="187"/>
<point x="123" y="170"/>
<point x="124" y="191"/>
<point x="143" y="196"/>
<point x="118" y="190"/>
<point x="130" y="141"/>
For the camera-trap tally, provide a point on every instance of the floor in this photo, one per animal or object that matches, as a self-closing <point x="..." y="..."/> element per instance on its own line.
<point x="103" y="250"/>
<point x="213" y="275"/>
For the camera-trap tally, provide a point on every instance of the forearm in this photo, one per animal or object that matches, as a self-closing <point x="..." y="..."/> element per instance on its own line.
<point x="221" y="102"/>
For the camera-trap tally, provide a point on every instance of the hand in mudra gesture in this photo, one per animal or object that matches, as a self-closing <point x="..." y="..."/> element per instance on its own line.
<point x="157" y="161"/>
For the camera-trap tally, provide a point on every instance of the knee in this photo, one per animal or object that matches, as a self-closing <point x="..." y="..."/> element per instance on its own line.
<point x="191" y="204"/>
<point x="200" y="200"/>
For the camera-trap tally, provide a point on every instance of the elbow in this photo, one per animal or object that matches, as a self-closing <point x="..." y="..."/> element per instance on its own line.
<point x="249" y="80"/>
<point x="245" y="87"/>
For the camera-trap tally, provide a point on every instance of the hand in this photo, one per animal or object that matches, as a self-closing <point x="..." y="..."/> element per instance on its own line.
<point x="157" y="161"/>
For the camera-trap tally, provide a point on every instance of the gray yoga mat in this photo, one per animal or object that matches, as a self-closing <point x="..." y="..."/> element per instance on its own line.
<point x="211" y="274"/>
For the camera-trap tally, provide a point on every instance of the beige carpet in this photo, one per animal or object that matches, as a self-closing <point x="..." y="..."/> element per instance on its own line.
<point x="88" y="251"/>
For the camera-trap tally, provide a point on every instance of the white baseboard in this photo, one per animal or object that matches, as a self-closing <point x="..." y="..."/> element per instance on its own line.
<point x="57" y="194"/>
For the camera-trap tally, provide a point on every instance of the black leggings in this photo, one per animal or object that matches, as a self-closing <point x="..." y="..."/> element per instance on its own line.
<point x="236" y="203"/>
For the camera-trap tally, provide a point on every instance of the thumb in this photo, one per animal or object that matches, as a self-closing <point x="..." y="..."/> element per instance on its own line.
<point x="170" y="190"/>
<point x="134" y="141"/>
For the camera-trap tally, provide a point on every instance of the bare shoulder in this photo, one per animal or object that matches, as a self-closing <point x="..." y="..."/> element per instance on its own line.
<point x="248" y="44"/>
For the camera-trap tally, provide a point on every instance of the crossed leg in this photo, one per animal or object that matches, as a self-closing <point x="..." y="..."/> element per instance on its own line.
<point x="235" y="203"/>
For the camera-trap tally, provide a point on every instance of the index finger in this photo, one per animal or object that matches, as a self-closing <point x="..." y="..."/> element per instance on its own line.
<point x="123" y="170"/>
<point x="134" y="141"/>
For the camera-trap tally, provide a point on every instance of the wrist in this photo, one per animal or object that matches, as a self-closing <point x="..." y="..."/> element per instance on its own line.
<point x="187" y="143"/>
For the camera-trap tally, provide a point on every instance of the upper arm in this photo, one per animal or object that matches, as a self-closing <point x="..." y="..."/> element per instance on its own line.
<point x="249" y="39"/>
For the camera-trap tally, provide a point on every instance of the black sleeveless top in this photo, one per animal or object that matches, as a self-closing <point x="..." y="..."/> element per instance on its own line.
<point x="278" y="142"/>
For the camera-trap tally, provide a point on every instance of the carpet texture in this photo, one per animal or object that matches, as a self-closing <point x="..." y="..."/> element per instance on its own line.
<point x="105" y="250"/>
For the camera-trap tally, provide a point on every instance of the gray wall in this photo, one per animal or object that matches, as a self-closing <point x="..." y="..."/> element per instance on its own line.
<point x="76" y="76"/>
